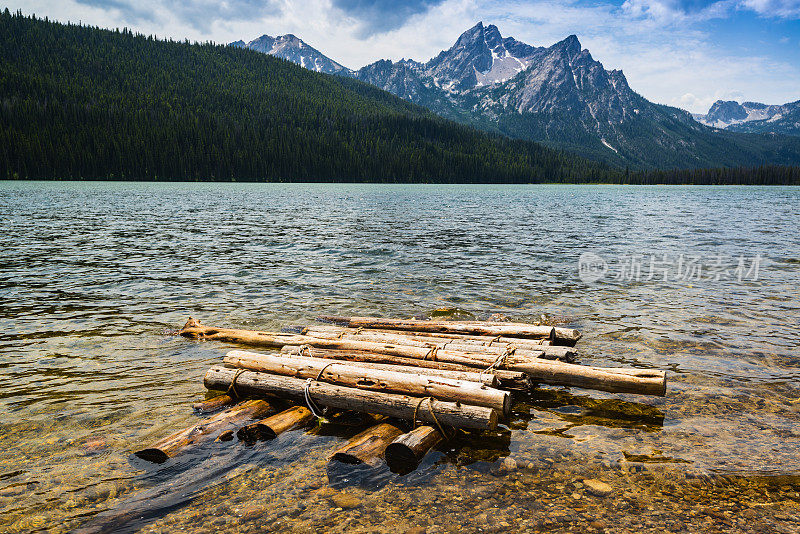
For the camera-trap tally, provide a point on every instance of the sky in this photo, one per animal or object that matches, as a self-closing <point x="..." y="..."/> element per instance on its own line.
<point x="685" y="53"/>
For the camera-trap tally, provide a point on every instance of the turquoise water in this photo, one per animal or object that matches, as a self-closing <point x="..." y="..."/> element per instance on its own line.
<point x="95" y="277"/>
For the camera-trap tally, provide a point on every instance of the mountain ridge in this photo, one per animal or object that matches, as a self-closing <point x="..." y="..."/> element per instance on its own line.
<point x="754" y="117"/>
<point x="562" y="97"/>
<point x="294" y="49"/>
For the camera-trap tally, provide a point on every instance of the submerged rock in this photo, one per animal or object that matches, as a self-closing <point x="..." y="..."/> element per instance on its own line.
<point x="596" y="487"/>
<point x="509" y="464"/>
<point x="346" y="500"/>
<point x="253" y="512"/>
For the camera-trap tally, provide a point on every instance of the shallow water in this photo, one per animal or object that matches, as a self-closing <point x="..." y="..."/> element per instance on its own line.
<point x="95" y="276"/>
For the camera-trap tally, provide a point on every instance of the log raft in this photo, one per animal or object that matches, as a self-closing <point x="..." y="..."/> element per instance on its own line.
<point x="613" y="380"/>
<point x="437" y="374"/>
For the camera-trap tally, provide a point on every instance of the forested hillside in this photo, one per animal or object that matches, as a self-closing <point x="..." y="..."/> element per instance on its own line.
<point x="78" y="102"/>
<point x="85" y="103"/>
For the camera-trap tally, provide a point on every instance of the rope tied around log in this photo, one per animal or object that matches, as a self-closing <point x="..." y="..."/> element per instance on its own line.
<point x="432" y="353"/>
<point x="500" y="361"/>
<point x="319" y="375"/>
<point x="310" y="402"/>
<point x="433" y="415"/>
<point x="305" y="348"/>
<point x="232" y="388"/>
<point x="497" y="338"/>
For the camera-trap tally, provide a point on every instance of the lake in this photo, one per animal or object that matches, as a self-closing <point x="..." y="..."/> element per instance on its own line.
<point x="701" y="281"/>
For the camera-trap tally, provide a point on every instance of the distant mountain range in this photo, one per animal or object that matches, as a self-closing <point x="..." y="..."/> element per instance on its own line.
<point x="753" y="117"/>
<point x="558" y="95"/>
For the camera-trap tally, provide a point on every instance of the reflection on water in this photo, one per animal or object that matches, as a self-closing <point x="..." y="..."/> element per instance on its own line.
<point x="95" y="276"/>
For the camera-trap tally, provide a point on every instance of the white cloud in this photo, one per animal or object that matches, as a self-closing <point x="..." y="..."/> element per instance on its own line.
<point x="788" y="9"/>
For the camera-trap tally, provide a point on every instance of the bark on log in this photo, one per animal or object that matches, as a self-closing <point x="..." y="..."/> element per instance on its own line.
<point x="368" y="446"/>
<point x="567" y="336"/>
<point x="434" y="337"/>
<point x="534" y="351"/>
<point x="404" y="454"/>
<point x="275" y="425"/>
<point x="614" y="380"/>
<point x="468" y="374"/>
<point x="406" y="382"/>
<point x="359" y="400"/>
<point x="194" y="329"/>
<point x="205" y="430"/>
<point x="212" y="405"/>
<point x="505" y="379"/>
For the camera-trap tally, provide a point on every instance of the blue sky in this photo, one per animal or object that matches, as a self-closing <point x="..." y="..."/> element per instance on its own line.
<point x="678" y="52"/>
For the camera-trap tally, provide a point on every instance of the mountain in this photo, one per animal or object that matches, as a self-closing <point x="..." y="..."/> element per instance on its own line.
<point x="293" y="49"/>
<point x="481" y="56"/>
<point x="84" y="103"/>
<point x="561" y="96"/>
<point x="724" y="113"/>
<point x="754" y="117"/>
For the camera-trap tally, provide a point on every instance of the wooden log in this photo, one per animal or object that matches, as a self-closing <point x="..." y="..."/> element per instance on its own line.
<point x="347" y="374"/>
<point x="213" y="404"/>
<point x="435" y="337"/>
<point x="359" y="400"/>
<point x="505" y="379"/>
<point x="465" y="374"/>
<point x="194" y="329"/>
<point x="534" y="351"/>
<point x="205" y="430"/>
<point x="567" y="336"/>
<point x="614" y="380"/>
<point x="404" y="454"/>
<point x="540" y="370"/>
<point x="368" y="446"/>
<point x="275" y="425"/>
<point x="565" y="354"/>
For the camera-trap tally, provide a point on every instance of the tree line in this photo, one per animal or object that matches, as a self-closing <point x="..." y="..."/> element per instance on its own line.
<point x="80" y="102"/>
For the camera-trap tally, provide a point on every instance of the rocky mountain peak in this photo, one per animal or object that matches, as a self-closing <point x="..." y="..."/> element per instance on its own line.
<point x="294" y="49"/>
<point x="570" y="46"/>
<point x="480" y="56"/>
<point x="470" y="37"/>
<point x="749" y="116"/>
